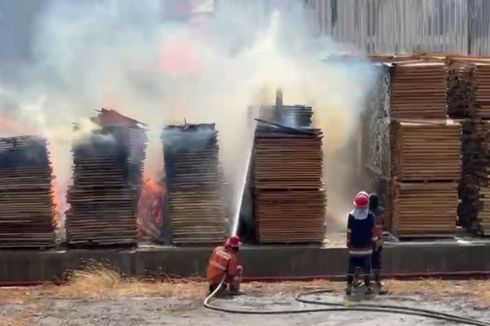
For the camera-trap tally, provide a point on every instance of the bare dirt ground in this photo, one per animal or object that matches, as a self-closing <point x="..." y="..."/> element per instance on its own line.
<point x="102" y="297"/>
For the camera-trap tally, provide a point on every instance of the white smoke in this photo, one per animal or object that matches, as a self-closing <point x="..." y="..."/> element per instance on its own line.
<point x="123" y="55"/>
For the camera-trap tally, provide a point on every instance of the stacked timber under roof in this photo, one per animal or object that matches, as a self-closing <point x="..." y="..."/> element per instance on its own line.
<point x="107" y="171"/>
<point x="26" y="196"/>
<point x="194" y="184"/>
<point x="287" y="175"/>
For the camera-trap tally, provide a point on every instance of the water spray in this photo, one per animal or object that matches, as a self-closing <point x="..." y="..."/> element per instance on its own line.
<point x="243" y="183"/>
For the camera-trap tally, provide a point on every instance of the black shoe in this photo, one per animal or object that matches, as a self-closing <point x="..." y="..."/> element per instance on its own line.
<point x="348" y="290"/>
<point x="369" y="290"/>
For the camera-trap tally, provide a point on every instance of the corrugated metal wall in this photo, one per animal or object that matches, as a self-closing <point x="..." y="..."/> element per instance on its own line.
<point x="380" y="26"/>
<point x="398" y="26"/>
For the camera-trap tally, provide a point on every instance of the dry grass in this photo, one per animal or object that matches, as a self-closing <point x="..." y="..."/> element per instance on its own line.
<point x="100" y="281"/>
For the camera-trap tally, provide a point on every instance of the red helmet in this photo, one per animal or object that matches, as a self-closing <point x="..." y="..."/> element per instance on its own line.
<point x="361" y="200"/>
<point x="233" y="241"/>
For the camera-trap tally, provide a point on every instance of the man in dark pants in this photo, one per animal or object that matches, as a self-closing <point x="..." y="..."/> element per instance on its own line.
<point x="377" y="210"/>
<point x="360" y="241"/>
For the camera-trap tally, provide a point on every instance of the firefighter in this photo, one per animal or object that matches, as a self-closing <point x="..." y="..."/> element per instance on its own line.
<point x="377" y="210"/>
<point x="360" y="241"/>
<point x="223" y="263"/>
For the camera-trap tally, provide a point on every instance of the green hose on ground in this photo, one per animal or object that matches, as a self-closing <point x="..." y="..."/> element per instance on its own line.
<point x="340" y="307"/>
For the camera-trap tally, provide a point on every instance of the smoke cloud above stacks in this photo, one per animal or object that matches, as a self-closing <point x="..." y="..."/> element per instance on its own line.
<point x="144" y="60"/>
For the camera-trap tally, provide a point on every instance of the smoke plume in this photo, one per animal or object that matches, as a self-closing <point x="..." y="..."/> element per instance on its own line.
<point x="137" y="58"/>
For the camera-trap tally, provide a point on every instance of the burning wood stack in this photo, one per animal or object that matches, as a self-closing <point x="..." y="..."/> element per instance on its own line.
<point x="469" y="100"/>
<point x="26" y="196"/>
<point x="289" y="198"/>
<point x="107" y="171"/>
<point x="194" y="184"/>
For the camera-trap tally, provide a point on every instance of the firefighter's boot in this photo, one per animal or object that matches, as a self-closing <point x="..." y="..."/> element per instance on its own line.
<point x="367" y="284"/>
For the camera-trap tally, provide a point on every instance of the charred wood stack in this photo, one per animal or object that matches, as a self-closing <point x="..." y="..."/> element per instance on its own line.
<point x="107" y="171"/>
<point x="469" y="98"/>
<point x="194" y="184"/>
<point x="288" y="190"/>
<point x="26" y="195"/>
<point x="296" y="116"/>
<point x="461" y="91"/>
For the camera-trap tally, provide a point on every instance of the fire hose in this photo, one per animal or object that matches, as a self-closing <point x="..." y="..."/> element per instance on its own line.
<point x="341" y="307"/>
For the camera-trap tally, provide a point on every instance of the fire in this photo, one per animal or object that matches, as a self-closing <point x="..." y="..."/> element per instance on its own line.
<point x="178" y="58"/>
<point x="59" y="202"/>
<point x="150" y="214"/>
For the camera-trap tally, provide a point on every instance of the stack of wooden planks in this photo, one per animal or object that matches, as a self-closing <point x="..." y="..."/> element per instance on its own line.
<point x="469" y="100"/>
<point x="461" y="91"/>
<point x="26" y="196"/>
<point x="474" y="211"/>
<point x="298" y="116"/>
<point x="425" y="209"/>
<point x="426" y="151"/>
<point x="289" y="196"/>
<point x="482" y="85"/>
<point x="107" y="168"/>
<point x="196" y="209"/>
<point x="426" y="168"/>
<point x="418" y="90"/>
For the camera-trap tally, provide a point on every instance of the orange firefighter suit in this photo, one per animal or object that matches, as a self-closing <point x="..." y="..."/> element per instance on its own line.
<point x="224" y="261"/>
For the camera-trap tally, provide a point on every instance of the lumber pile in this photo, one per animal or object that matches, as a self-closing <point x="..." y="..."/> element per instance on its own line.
<point x="469" y="90"/>
<point x="482" y="93"/>
<point x="425" y="156"/>
<point x="461" y="91"/>
<point x="287" y="176"/>
<point x="26" y="203"/>
<point x="418" y="90"/>
<point x="469" y="99"/>
<point x="426" y="151"/>
<point x="298" y="116"/>
<point x="107" y="171"/>
<point x="475" y="208"/>
<point x="425" y="209"/>
<point x="191" y="158"/>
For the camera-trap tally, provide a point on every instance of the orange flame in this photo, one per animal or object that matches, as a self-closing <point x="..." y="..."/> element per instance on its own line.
<point x="178" y="58"/>
<point x="58" y="202"/>
<point x="150" y="215"/>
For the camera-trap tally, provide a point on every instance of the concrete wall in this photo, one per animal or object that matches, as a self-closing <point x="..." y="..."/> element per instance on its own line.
<point x="18" y="267"/>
